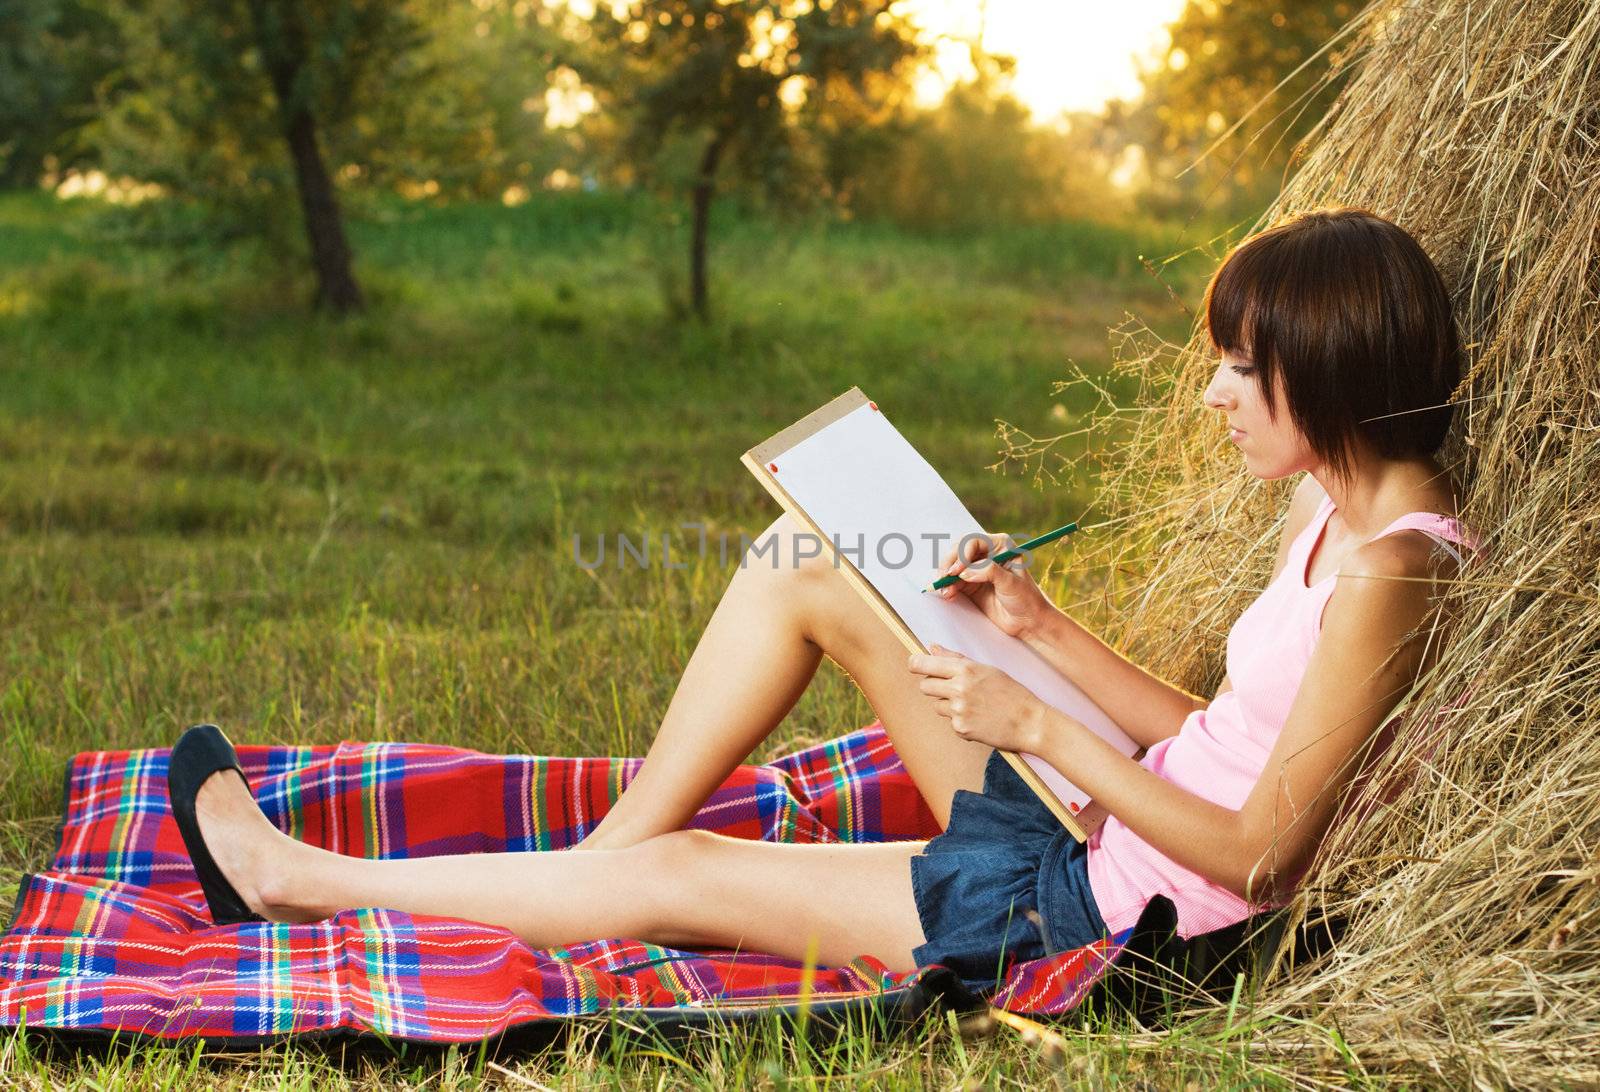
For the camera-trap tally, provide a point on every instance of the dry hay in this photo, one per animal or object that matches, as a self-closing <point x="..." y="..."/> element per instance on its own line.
<point x="1472" y="899"/>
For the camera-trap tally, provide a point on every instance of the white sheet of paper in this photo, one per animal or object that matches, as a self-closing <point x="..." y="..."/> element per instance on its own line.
<point x="893" y="517"/>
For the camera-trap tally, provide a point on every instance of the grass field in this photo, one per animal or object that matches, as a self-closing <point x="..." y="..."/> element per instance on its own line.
<point x="218" y="507"/>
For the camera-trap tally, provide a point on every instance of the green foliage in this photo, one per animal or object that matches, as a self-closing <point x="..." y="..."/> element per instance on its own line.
<point x="978" y="161"/>
<point x="427" y="96"/>
<point x="703" y="91"/>
<point x="747" y="78"/>
<point x="1226" y="57"/>
<point x="790" y="104"/>
<point x="463" y="115"/>
<point x="197" y="115"/>
<point x="53" y="56"/>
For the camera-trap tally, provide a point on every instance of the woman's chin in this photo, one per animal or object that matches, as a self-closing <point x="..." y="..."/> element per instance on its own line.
<point x="1266" y="472"/>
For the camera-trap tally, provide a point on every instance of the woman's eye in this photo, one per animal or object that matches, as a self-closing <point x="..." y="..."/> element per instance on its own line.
<point x="1242" y="369"/>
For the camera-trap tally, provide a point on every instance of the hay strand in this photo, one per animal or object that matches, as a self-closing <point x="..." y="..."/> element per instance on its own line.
<point x="1472" y="900"/>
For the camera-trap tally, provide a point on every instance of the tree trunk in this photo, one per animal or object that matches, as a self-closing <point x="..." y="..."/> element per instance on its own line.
<point x="283" y="45"/>
<point x="704" y="188"/>
<point x="330" y="253"/>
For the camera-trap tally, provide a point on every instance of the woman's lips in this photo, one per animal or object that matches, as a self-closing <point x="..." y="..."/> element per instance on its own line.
<point x="1235" y="435"/>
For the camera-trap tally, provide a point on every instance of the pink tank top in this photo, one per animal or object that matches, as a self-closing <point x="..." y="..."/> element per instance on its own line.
<point x="1221" y="750"/>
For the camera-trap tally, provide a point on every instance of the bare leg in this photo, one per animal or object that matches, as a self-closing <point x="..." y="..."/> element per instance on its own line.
<point x="758" y="653"/>
<point x="687" y="888"/>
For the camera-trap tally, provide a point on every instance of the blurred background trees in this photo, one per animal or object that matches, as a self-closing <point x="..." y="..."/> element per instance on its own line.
<point x="256" y="110"/>
<point x="259" y="120"/>
<point x="54" y="54"/>
<point x="1217" y="90"/>
<point x="708" y="91"/>
<point x="979" y="160"/>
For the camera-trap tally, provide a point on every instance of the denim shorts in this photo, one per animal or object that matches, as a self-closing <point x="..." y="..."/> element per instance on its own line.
<point x="1005" y="882"/>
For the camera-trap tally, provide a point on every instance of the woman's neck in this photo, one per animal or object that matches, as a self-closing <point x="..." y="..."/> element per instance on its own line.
<point x="1379" y="491"/>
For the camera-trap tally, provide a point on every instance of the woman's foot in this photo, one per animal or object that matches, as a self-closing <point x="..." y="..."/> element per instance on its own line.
<point x="256" y="858"/>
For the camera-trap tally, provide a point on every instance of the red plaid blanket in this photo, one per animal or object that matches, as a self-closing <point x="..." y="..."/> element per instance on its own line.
<point x="115" y="935"/>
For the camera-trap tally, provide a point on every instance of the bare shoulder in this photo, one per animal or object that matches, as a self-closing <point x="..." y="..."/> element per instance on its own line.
<point x="1400" y="554"/>
<point x="1407" y="555"/>
<point x="1389" y="582"/>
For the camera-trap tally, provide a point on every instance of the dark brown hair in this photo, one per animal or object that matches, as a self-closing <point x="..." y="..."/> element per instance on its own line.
<point x="1346" y="310"/>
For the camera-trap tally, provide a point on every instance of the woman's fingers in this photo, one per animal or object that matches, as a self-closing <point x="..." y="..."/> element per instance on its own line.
<point x="1000" y="545"/>
<point x="972" y="549"/>
<point x="937" y="663"/>
<point x="948" y="682"/>
<point x="934" y="665"/>
<point x="968" y="562"/>
<point x="987" y="572"/>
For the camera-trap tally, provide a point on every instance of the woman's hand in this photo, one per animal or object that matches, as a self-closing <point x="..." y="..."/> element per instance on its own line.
<point x="1006" y="593"/>
<point x="984" y="704"/>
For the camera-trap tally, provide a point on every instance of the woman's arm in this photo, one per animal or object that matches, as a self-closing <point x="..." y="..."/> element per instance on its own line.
<point x="1369" y="654"/>
<point x="1143" y="705"/>
<point x="1376" y="631"/>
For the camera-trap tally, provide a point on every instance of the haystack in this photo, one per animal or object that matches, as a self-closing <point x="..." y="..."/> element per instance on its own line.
<point x="1473" y="900"/>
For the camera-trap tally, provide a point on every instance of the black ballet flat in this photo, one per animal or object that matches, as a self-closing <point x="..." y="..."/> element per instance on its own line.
<point x="199" y="753"/>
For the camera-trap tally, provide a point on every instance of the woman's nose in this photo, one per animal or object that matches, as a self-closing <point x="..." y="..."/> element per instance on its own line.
<point x="1214" y="399"/>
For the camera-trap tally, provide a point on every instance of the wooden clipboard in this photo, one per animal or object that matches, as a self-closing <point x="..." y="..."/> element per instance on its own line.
<point x="760" y="458"/>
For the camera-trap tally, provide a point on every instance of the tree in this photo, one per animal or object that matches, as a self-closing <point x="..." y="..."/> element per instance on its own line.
<point x="1227" y="58"/>
<point x="260" y="112"/>
<point x="53" y="54"/>
<point x="230" y="102"/>
<point x="466" y="113"/>
<point x="734" y="80"/>
<point x="283" y="38"/>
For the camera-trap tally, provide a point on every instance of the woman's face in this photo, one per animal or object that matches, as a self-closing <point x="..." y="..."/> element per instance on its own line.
<point x="1272" y="446"/>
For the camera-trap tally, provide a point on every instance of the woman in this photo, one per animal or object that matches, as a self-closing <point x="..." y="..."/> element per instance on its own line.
<point x="1338" y="354"/>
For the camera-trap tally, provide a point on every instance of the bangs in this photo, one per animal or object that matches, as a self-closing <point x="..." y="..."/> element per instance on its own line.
<point x="1234" y="308"/>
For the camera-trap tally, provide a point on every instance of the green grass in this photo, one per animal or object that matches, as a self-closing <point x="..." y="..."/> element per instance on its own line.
<point x="216" y="506"/>
<point x="940" y="1053"/>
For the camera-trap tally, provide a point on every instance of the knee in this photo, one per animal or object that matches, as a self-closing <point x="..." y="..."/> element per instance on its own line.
<point x="669" y="858"/>
<point x="676" y="874"/>
<point x="789" y="549"/>
<point x="798" y="570"/>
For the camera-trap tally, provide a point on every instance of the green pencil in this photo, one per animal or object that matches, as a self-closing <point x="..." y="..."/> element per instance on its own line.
<point x="1006" y="555"/>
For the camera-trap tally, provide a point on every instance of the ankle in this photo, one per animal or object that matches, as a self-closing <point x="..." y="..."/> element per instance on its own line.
<point x="276" y="895"/>
<point x="286" y="883"/>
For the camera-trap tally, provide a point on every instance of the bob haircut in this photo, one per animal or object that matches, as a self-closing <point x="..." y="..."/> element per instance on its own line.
<point x="1345" y="310"/>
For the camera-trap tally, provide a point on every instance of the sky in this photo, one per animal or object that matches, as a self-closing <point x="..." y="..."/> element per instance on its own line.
<point x="1071" y="54"/>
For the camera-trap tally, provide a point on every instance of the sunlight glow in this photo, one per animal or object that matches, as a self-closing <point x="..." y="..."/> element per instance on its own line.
<point x="1071" y="54"/>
